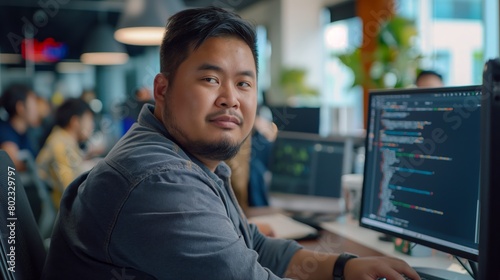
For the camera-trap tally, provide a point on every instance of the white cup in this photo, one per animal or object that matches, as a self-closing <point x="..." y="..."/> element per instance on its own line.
<point x="352" y="185"/>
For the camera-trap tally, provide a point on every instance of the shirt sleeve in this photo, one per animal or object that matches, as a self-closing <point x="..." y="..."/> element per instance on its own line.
<point x="175" y="226"/>
<point x="65" y="164"/>
<point x="274" y="253"/>
<point x="6" y="134"/>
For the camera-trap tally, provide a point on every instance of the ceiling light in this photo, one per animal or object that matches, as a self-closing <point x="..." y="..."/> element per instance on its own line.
<point x="71" y="67"/>
<point x="102" y="49"/>
<point x="10" y="58"/>
<point x="143" y="21"/>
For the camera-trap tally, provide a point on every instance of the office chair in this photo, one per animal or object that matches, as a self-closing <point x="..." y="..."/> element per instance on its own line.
<point x="25" y="258"/>
<point x="48" y="213"/>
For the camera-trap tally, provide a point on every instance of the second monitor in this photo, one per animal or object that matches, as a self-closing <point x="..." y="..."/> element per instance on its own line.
<point x="307" y="170"/>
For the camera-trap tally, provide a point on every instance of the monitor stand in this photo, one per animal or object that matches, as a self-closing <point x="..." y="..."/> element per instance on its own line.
<point x="442" y="273"/>
<point x="313" y="219"/>
<point x="306" y="203"/>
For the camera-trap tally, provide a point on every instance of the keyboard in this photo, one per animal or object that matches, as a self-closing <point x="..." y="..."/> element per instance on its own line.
<point x="427" y="273"/>
<point x="424" y="276"/>
<point x="440" y="275"/>
<point x="308" y="220"/>
<point x="314" y="220"/>
<point x="286" y="227"/>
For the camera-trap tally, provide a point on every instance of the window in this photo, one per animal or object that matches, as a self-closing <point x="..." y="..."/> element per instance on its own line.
<point x="457" y="9"/>
<point x="344" y="103"/>
<point x="453" y="54"/>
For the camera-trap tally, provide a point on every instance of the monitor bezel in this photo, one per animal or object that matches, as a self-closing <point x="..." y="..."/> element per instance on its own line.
<point x="412" y="91"/>
<point x="489" y="244"/>
<point x="349" y="142"/>
<point x="313" y="203"/>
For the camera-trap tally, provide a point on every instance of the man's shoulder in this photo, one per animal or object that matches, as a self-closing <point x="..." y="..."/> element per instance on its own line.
<point x="7" y="133"/>
<point x="61" y="137"/>
<point x="137" y="156"/>
<point x="141" y="149"/>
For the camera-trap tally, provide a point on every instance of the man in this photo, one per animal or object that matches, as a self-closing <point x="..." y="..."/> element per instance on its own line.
<point x="19" y="102"/>
<point x="61" y="160"/>
<point x="160" y="206"/>
<point x="131" y="108"/>
<point x="39" y="134"/>
<point x="428" y="79"/>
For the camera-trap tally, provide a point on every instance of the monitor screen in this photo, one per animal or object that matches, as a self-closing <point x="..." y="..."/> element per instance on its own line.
<point x="297" y="119"/>
<point x="421" y="178"/>
<point x="307" y="168"/>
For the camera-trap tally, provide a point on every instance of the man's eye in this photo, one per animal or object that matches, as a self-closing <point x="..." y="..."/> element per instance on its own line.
<point x="244" y="84"/>
<point x="210" y="80"/>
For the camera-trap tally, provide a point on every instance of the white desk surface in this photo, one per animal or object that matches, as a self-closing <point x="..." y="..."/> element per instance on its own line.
<point x="350" y="229"/>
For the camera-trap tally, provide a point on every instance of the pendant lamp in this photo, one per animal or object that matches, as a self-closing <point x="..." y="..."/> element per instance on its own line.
<point x="143" y="21"/>
<point x="102" y="49"/>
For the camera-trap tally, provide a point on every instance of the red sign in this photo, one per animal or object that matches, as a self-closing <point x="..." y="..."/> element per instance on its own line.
<point x="47" y="50"/>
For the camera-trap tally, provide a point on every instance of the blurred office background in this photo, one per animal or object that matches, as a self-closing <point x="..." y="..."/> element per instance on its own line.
<point x="43" y="44"/>
<point x="318" y="61"/>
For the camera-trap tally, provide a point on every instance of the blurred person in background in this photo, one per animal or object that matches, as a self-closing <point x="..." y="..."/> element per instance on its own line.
<point x="88" y="95"/>
<point x="97" y="143"/>
<point x="143" y="95"/>
<point x="20" y="103"/>
<point x="61" y="159"/>
<point x="39" y="134"/>
<point x="130" y="109"/>
<point x="263" y="136"/>
<point x="429" y="79"/>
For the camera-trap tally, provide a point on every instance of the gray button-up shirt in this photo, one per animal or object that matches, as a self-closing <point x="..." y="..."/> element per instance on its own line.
<point x="151" y="211"/>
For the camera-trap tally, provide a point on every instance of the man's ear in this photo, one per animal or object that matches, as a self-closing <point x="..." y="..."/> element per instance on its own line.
<point x="20" y="108"/>
<point x="160" y="88"/>
<point x="74" y="122"/>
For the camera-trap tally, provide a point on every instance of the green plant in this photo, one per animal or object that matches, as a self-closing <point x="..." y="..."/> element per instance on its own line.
<point x="293" y="83"/>
<point x="394" y="61"/>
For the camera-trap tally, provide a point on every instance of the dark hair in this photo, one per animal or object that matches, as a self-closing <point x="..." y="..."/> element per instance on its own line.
<point x="12" y="95"/>
<point x="70" y="107"/>
<point x="429" y="73"/>
<point x="189" y="29"/>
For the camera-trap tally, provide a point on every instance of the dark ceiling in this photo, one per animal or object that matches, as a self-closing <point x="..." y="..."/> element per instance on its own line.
<point x="69" y="21"/>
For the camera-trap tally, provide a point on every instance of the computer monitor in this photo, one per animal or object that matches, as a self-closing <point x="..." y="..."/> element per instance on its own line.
<point x="489" y="249"/>
<point x="306" y="172"/>
<point x="422" y="166"/>
<point x="296" y="119"/>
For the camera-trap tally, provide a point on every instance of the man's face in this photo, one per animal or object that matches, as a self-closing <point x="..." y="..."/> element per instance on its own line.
<point x="209" y="107"/>
<point x="86" y="126"/>
<point x="30" y="111"/>
<point x="429" y="81"/>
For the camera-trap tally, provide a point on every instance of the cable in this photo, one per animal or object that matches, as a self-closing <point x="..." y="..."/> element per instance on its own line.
<point x="474" y="268"/>
<point x="472" y="274"/>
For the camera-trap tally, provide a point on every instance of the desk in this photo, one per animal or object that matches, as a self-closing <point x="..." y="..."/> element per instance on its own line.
<point x="330" y="242"/>
<point x="369" y="238"/>
<point x="345" y="235"/>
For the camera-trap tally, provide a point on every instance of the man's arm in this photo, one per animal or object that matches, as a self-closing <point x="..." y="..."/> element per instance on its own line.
<point x="307" y="264"/>
<point x="173" y="227"/>
<point x="274" y="253"/>
<point x="65" y="164"/>
<point x="12" y="150"/>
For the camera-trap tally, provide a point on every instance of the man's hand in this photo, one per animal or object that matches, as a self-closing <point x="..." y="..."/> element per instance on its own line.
<point x="265" y="229"/>
<point x="307" y="264"/>
<point x="372" y="268"/>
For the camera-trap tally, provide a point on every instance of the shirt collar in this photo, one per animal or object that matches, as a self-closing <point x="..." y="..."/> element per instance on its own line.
<point x="147" y="118"/>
